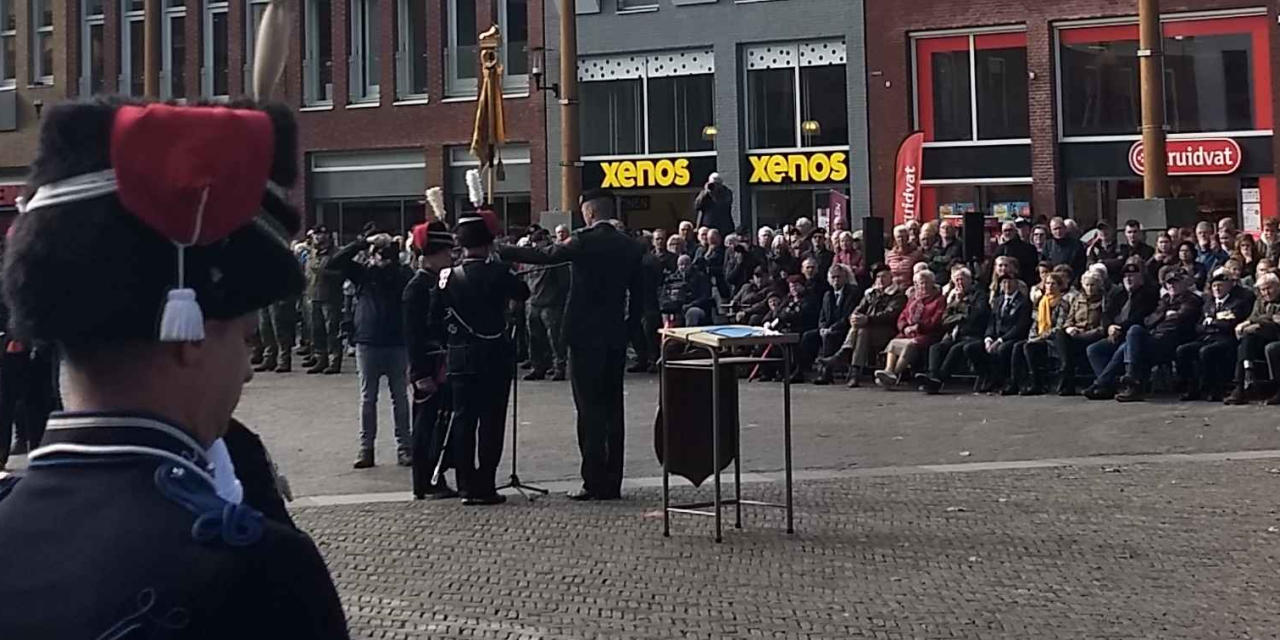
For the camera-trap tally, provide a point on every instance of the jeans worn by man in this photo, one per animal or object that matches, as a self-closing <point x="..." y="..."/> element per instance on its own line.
<point x="373" y="364"/>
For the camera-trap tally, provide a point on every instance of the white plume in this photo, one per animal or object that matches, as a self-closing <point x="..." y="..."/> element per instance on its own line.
<point x="435" y="198"/>
<point x="475" y="187"/>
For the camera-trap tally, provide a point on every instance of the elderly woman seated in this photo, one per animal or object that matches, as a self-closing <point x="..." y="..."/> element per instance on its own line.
<point x="1259" y="339"/>
<point x="919" y="326"/>
<point x="963" y="322"/>
<point x="1030" y="356"/>
<point x="1086" y="323"/>
<point x="871" y="325"/>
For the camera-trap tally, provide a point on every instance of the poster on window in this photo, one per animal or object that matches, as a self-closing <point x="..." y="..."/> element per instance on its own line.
<point x="839" y="205"/>
<point x="1251" y="216"/>
<point x="906" y="190"/>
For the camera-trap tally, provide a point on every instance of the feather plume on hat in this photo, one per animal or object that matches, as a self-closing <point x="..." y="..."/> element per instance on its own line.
<point x="435" y="199"/>
<point x="475" y="187"/>
<point x="272" y="50"/>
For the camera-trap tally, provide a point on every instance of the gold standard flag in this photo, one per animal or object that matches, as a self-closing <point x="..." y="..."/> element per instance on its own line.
<point x="490" y="127"/>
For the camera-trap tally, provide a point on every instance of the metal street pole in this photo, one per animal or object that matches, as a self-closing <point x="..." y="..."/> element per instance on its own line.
<point x="1155" y="181"/>
<point x="570" y="151"/>
<point x="151" y="49"/>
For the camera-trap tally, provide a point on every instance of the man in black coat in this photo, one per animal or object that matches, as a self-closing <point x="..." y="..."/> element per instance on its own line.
<point x="471" y="310"/>
<point x="1209" y="360"/>
<point x="715" y="206"/>
<point x="606" y="277"/>
<point x="1010" y="322"/>
<point x="838" y="304"/>
<point x="1128" y="306"/>
<point x="425" y="344"/>
<point x="644" y="330"/>
<point x="1062" y="248"/>
<point x="130" y="520"/>
<point x="1013" y="246"/>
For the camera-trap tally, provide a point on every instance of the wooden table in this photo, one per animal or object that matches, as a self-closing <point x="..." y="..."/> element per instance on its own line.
<point x="716" y="341"/>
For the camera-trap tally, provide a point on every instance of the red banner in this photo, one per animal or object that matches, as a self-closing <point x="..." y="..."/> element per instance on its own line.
<point x="839" y="205"/>
<point x="9" y="194"/>
<point x="906" y="186"/>
<point x="1203" y="156"/>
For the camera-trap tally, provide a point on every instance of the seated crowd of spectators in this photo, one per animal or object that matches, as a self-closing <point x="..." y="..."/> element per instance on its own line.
<point x="1048" y="310"/>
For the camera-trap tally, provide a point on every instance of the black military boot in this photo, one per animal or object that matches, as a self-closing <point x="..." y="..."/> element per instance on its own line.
<point x="318" y="365"/>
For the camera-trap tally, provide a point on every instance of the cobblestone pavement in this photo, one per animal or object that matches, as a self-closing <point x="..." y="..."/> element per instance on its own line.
<point x="311" y="424"/>
<point x="1140" y="551"/>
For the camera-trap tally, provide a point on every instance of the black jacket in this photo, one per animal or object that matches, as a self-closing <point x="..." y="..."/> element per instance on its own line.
<point x="1127" y="308"/>
<point x="1221" y="319"/>
<point x="653" y="275"/>
<point x="473" y="303"/>
<point x="548" y="288"/>
<point x="836" y="316"/>
<point x="1182" y="324"/>
<point x="799" y="315"/>
<point x="424" y="342"/>
<point x="1068" y="251"/>
<point x="697" y="289"/>
<point x="882" y="307"/>
<point x="715" y="208"/>
<point x="1010" y="322"/>
<point x="968" y="318"/>
<point x="606" y="266"/>
<point x="1027" y="256"/>
<point x="379" y="314"/>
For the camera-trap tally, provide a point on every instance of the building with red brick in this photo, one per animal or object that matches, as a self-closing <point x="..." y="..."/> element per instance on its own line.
<point x="1035" y="105"/>
<point x="385" y="90"/>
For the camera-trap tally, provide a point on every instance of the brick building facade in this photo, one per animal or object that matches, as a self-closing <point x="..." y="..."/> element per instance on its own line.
<point x="1074" y="104"/>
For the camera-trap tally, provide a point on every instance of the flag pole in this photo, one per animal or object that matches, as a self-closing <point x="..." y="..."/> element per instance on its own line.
<point x="1155" y="174"/>
<point x="570" y="150"/>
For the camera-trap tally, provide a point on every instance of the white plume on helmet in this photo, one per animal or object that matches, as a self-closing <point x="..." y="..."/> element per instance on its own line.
<point x="475" y="187"/>
<point x="435" y="199"/>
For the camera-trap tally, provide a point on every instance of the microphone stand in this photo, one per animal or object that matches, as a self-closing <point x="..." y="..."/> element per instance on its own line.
<point x="514" y="482"/>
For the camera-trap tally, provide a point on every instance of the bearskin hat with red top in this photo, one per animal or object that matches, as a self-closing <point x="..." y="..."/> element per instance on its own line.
<point x="431" y="237"/>
<point x="140" y="221"/>
<point x="478" y="228"/>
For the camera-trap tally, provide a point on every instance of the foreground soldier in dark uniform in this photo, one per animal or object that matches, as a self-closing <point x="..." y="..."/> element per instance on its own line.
<point x="606" y="278"/>
<point x="425" y="341"/>
<point x="472" y="309"/>
<point x="131" y="521"/>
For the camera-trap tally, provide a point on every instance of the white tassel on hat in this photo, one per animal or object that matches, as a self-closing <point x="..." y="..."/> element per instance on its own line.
<point x="435" y="198"/>
<point x="475" y="187"/>
<point x="182" y="319"/>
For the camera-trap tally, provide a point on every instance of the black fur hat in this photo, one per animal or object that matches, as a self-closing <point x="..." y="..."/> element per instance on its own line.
<point x="89" y="272"/>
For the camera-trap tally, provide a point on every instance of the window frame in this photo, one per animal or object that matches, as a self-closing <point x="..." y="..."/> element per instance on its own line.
<point x="1229" y="21"/>
<point x="9" y="34"/>
<point x="311" y="89"/>
<point x="798" y="106"/>
<point x="456" y="86"/>
<point x="166" y="50"/>
<point x="640" y="6"/>
<point x="211" y="9"/>
<point x="87" y="23"/>
<point x="39" y="33"/>
<point x="405" y="57"/>
<point x="127" y="18"/>
<point x="357" y="56"/>
<point x="511" y="81"/>
<point x="1011" y="36"/>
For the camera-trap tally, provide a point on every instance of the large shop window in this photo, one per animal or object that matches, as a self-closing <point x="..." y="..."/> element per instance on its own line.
<point x="173" y="43"/>
<point x="8" y="44"/>
<point x="779" y="115"/>
<point x="646" y="104"/>
<point x="972" y="87"/>
<point x="217" y="69"/>
<point x="317" y="63"/>
<point x="1217" y="77"/>
<point x="92" y="26"/>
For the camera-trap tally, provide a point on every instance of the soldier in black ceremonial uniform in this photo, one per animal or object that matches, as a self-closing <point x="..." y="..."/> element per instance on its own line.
<point x="606" y="278"/>
<point x="481" y="355"/>
<point x="131" y="520"/>
<point x="432" y="406"/>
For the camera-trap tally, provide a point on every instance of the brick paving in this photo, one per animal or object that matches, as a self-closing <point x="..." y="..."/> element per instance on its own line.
<point x="1139" y="551"/>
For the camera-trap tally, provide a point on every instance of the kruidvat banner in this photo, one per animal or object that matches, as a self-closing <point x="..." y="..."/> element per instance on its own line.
<point x="906" y="189"/>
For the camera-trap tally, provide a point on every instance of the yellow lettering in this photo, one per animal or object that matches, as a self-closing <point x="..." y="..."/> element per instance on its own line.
<point x="610" y="175"/>
<point x="777" y="169"/>
<point x="759" y="169"/>
<point x="682" y="173"/>
<point x="839" y="167"/>
<point x="819" y="167"/>
<point x="664" y="173"/>
<point x="798" y="168"/>
<point x="627" y="175"/>
<point x="644" y="173"/>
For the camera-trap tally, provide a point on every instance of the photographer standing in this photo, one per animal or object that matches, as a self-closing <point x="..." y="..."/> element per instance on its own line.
<point x="379" y="338"/>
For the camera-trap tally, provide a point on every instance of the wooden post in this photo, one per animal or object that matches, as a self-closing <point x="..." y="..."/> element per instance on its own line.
<point x="570" y="151"/>
<point x="1155" y="175"/>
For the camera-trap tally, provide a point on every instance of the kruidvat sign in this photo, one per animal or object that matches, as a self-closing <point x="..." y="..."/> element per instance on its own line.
<point x="1198" y="157"/>
<point x="799" y="168"/>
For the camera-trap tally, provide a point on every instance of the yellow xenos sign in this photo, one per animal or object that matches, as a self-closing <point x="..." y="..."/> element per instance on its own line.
<point x="799" y="167"/>
<point x="633" y="174"/>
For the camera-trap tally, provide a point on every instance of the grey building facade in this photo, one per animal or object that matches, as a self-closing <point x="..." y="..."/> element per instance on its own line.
<point x="770" y="94"/>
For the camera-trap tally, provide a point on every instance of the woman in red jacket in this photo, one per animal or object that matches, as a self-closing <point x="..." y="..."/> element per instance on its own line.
<point x="919" y="326"/>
